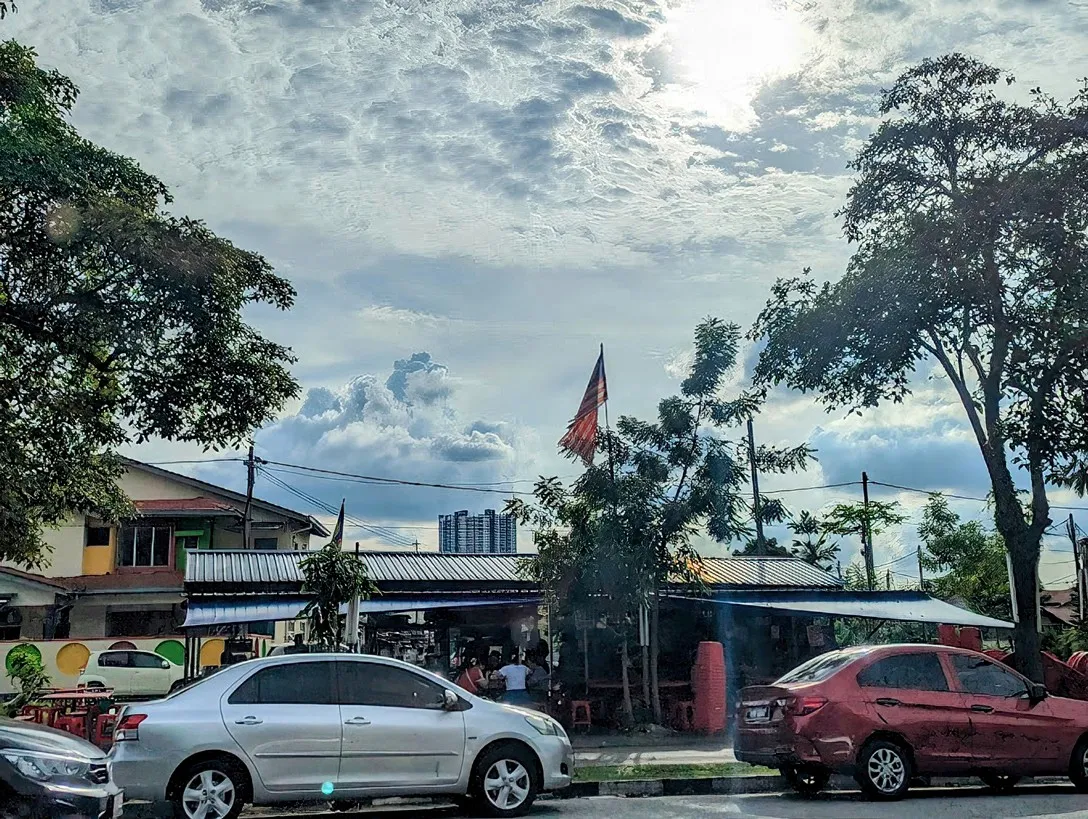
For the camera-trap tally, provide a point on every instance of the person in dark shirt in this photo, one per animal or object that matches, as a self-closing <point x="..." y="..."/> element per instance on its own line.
<point x="299" y="646"/>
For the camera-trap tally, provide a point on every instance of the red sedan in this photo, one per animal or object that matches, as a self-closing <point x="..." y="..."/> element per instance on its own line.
<point x="889" y="714"/>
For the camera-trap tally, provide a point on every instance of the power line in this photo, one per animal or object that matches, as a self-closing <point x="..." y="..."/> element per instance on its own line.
<point x="962" y="497"/>
<point x="395" y="481"/>
<point x="377" y="531"/>
<point x="196" y="461"/>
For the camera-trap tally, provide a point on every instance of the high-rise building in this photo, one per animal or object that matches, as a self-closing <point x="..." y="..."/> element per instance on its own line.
<point x="489" y="533"/>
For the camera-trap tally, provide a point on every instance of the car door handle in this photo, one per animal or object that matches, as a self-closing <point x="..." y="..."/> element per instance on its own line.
<point x="357" y="721"/>
<point x="887" y="701"/>
<point x="983" y="709"/>
<point x="248" y="721"/>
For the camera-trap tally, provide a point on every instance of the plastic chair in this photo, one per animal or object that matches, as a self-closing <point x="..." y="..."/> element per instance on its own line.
<point x="580" y="715"/>
<point x="103" y="729"/>
<point x="75" y="724"/>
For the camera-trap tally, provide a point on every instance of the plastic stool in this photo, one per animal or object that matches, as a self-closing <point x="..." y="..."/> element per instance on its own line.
<point x="580" y="715"/>
<point x="75" y="724"/>
<point x="103" y="729"/>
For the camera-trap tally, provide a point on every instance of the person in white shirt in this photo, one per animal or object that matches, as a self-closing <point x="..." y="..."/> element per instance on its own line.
<point x="515" y="675"/>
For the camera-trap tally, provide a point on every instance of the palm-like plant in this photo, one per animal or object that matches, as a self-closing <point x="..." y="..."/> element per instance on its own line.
<point x="812" y="544"/>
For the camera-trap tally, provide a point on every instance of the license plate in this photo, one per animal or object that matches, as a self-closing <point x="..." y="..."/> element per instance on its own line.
<point x="760" y="713"/>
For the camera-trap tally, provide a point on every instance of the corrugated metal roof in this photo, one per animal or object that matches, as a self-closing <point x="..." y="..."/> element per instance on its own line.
<point x="263" y="568"/>
<point x="908" y="606"/>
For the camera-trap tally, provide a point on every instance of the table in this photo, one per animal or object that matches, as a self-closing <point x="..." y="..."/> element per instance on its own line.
<point x="89" y="698"/>
<point x="616" y="685"/>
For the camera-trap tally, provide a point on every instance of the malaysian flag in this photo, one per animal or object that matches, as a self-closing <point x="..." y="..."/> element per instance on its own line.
<point x="581" y="437"/>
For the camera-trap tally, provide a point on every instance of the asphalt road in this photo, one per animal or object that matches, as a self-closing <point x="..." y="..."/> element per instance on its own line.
<point x="931" y="803"/>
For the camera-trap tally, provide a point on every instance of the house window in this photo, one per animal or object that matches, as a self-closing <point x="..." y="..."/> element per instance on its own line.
<point x="98" y="535"/>
<point x="144" y="546"/>
<point x="266" y="543"/>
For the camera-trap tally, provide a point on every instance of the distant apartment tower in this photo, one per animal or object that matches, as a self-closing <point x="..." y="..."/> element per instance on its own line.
<point x="489" y="533"/>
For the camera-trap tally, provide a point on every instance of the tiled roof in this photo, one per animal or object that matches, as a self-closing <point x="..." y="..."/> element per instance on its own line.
<point x="185" y="505"/>
<point x="263" y="568"/>
<point x="34" y="578"/>
<point x="155" y="580"/>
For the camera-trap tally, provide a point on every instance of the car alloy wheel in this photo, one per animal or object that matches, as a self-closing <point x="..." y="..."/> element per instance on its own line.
<point x="506" y="784"/>
<point x="886" y="770"/>
<point x="210" y="794"/>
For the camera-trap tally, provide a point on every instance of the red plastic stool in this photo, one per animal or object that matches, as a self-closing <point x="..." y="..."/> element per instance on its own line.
<point x="580" y="715"/>
<point x="103" y="729"/>
<point x="683" y="715"/>
<point x="75" y="724"/>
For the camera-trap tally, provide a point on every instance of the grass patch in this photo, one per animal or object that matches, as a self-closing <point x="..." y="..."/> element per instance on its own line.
<point x="616" y="773"/>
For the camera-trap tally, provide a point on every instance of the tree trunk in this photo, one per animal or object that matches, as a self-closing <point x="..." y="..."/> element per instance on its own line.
<point x="655" y="648"/>
<point x="646" y="676"/>
<point x="1022" y="540"/>
<point x="1025" y="571"/>
<point x="628" y="709"/>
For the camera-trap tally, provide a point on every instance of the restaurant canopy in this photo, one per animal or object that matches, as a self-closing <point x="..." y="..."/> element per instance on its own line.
<point x="910" y="606"/>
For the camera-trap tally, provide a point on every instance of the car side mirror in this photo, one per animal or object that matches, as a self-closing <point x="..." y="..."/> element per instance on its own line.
<point x="450" y="701"/>
<point x="165" y="665"/>
<point x="1036" y="692"/>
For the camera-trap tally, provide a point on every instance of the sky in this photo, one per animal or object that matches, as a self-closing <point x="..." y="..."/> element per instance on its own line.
<point x="472" y="195"/>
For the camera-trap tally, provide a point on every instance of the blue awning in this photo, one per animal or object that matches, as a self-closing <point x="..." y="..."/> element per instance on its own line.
<point x="909" y="606"/>
<point x="262" y="609"/>
<point x="379" y="605"/>
<point x="242" y="610"/>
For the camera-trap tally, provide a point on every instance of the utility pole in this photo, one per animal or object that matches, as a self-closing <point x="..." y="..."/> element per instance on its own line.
<point x="1078" y="563"/>
<point x="867" y="535"/>
<point x="756" y="511"/>
<point x="921" y="578"/>
<point x="251" y="474"/>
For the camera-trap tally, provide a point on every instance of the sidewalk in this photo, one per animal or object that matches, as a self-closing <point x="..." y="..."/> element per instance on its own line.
<point x="709" y="753"/>
<point x="651" y="749"/>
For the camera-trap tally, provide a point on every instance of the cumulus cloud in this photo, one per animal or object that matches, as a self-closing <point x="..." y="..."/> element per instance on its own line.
<point x="406" y="426"/>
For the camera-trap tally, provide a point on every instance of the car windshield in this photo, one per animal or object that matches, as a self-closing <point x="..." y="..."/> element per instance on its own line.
<point x="820" y="668"/>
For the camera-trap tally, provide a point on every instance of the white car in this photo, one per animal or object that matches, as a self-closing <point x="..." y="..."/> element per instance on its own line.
<point x="130" y="673"/>
<point x="315" y="727"/>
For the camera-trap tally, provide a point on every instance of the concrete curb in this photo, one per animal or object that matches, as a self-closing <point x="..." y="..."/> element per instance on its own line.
<point x="726" y="785"/>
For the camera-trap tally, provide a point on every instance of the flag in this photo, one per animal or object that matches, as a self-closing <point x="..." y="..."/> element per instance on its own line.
<point x="581" y="437"/>
<point x="338" y="532"/>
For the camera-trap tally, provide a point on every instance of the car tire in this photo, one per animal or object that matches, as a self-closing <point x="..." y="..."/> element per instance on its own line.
<point x="1078" y="766"/>
<point x="807" y="780"/>
<point x="999" y="783"/>
<point x="884" y="770"/>
<point x="504" y="781"/>
<point x="221" y="776"/>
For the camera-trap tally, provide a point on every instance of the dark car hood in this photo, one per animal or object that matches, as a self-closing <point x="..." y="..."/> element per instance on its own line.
<point x="27" y="736"/>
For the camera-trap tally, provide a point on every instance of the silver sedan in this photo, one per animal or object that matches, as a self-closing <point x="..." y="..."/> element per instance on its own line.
<point x="314" y="727"/>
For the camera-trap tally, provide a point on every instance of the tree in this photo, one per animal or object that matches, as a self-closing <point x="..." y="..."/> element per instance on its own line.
<point x="812" y="544"/>
<point x="118" y="321"/>
<point x="970" y="559"/>
<point x="334" y="577"/>
<point x="968" y="219"/>
<point x="28" y="673"/>
<point x="857" y="518"/>
<point x="674" y="477"/>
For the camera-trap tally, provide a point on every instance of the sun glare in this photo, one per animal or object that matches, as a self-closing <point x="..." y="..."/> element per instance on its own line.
<point x="720" y="51"/>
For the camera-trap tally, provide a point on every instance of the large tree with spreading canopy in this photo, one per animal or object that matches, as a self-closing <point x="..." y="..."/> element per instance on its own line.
<point x="968" y="218"/>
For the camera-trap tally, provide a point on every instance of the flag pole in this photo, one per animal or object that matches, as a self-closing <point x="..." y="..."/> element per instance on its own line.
<point x="608" y="434"/>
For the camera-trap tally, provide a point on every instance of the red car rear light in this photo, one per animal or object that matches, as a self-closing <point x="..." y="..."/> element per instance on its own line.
<point x="129" y="727"/>
<point x="803" y="706"/>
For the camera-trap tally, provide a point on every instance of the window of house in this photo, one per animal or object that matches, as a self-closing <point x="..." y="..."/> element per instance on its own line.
<point x="288" y="684"/>
<point x="267" y="543"/>
<point x="183" y="542"/>
<point x="98" y="535"/>
<point x="363" y="683"/>
<point x="917" y="672"/>
<point x="144" y="546"/>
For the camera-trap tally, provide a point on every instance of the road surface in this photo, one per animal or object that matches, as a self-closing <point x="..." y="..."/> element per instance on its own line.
<point x="1053" y="802"/>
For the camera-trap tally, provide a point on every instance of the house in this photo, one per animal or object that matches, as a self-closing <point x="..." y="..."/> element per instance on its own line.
<point x="1058" y="608"/>
<point x="105" y="584"/>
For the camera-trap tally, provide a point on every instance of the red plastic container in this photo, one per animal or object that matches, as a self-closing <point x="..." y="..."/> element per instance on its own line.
<point x="708" y="687"/>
